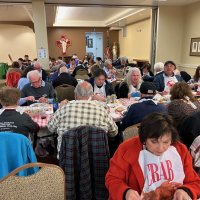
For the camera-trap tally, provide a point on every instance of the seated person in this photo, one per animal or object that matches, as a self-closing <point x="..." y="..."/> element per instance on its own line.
<point x="166" y="79"/>
<point x="130" y="85"/>
<point x="144" y="107"/>
<point x="195" y="81"/>
<point x="101" y="87"/>
<point x="37" y="89"/>
<point x="64" y="77"/>
<point x="158" y="67"/>
<point x="109" y="69"/>
<point x="24" y="80"/>
<point x="82" y="111"/>
<point x="182" y="102"/>
<point x="13" y="75"/>
<point x="143" y="164"/>
<point x="11" y="118"/>
<point x="43" y="73"/>
<point x="147" y="74"/>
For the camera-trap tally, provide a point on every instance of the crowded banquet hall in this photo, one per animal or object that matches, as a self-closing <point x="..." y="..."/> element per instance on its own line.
<point x="99" y="100"/>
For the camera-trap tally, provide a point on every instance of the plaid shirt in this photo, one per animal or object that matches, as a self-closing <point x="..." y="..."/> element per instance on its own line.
<point x="84" y="157"/>
<point x="81" y="113"/>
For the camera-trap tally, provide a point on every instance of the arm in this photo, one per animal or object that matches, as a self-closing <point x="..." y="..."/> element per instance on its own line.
<point x="192" y="180"/>
<point x="53" y="123"/>
<point x="157" y="82"/>
<point x="117" y="177"/>
<point x="113" y="129"/>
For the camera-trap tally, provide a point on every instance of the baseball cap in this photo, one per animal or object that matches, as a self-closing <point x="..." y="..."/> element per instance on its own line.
<point x="147" y="88"/>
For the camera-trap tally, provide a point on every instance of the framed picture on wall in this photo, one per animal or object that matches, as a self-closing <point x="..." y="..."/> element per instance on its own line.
<point x="90" y="43"/>
<point x="195" y="47"/>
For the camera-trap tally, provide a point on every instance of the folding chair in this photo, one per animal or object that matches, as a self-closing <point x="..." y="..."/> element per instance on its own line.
<point x="47" y="184"/>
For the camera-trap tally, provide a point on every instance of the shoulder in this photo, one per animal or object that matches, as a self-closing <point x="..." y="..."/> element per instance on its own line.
<point x="126" y="149"/>
<point x="181" y="148"/>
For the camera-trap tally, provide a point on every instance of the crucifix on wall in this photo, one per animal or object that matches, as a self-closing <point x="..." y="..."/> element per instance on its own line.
<point x="63" y="44"/>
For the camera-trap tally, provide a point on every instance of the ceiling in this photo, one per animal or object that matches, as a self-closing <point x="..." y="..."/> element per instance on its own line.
<point x="90" y="13"/>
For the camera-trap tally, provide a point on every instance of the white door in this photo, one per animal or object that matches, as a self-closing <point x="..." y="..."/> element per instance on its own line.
<point x="94" y="44"/>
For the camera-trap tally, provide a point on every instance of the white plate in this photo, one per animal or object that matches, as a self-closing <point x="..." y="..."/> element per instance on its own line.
<point x="37" y="105"/>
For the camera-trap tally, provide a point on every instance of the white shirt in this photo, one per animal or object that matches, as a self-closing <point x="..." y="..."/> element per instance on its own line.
<point x="159" y="169"/>
<point x="100" y="91"/>
<point x="169" y="82"/>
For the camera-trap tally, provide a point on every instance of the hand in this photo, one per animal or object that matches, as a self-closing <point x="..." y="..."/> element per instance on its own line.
<point x="43" y="100"/>
<point x="181" y="195"/>
<point x="63" y="102"/>
<point x="132" y="195"/>
<point x="165" y="93"/>
<point x="30" y="98"/>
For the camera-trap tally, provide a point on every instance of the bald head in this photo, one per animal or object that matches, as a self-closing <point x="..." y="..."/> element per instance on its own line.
<point x="83" y="90"/>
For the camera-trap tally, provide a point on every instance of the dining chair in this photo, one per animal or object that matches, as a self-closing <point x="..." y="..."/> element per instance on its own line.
<point x="65" y="91"/>
<point x="47" y="184"/>
<point x="16" y="150"/>
<point x="130" y="131"/>
<point x="84" y="156"/>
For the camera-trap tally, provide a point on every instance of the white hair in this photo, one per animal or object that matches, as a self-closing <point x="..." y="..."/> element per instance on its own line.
<point x="107" y="62"/>
<point x="84" y="89"/>
<point x="129" y="74"/>
<point x="33" y="73"/>
<point x="158" y="67"/>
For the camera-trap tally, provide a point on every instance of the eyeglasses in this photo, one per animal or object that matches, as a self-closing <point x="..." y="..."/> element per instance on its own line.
<point x="36" y="81"/>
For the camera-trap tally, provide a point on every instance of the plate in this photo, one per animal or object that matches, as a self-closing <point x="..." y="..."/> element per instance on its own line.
<point x="38" y="105"/>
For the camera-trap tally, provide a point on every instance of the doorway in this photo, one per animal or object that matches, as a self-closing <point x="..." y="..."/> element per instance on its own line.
<point x="94" y="44"/>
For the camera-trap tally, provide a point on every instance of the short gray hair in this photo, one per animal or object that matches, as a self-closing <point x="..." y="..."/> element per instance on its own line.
<point x="158" y="67"/>
<point x="83" y="89"/>
<point x="33" y="73"/>
<point x="107" y="62"/>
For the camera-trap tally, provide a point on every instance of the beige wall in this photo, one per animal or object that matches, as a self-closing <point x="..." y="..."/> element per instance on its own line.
<point x="191" y="30"/>
<point x="17" y="41"/>
<point x="136" y="44"/>
<point x="170" y="34"/>
<point x="77" y="36"/>
<point x="176" y="27"/>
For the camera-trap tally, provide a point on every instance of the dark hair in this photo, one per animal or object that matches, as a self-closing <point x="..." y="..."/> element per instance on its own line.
<point x="93" y="69"/>
<point x="98" y="59"/>
<point x="156" y="125"/>
<point x="9" y="96"/>
<point x="170" y="62"/>
<point x="147" y="65"/>
<point x="21" y="59"/>
<point x="196" y="75"/>
<point x="99" y="72"/>
<point x="26" y="55"/>
<point x="180" y="90"/>
<point x="15" y="64"/>
<point x="26" y="70"/>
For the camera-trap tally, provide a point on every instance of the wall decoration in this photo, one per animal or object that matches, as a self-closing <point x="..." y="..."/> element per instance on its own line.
<point x="64" y="43"/>
<point x="42" y="53"/>
<point x="195" y="47"/>
<point x="90" y="43"/>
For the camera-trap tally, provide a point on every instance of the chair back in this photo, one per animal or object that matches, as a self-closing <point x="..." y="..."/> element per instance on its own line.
<point x="82" y="72"/>
<point x="131" y="131"/>
<point x="65" y="91"/>
<point x="84" y="157"/>
<point x="16" y="150"/>
<point x="47" y="184"/>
